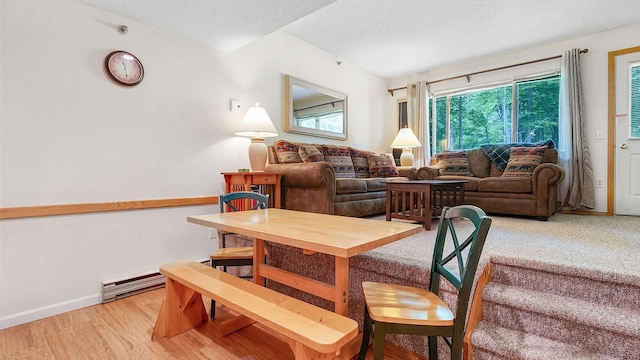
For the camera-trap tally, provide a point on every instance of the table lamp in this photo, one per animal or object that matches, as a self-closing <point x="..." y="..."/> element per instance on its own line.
<point x="257" y="125"/>
<point x="406" y="140"/>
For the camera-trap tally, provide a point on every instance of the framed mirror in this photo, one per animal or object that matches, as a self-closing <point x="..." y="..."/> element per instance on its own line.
<point x="315" y="110"/>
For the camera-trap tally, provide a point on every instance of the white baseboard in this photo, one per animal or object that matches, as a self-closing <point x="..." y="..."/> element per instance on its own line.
<point x="50" y="310"/>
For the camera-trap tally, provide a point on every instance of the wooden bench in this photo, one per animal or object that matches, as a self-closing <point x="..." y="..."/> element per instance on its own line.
<point x="313" y="332"/>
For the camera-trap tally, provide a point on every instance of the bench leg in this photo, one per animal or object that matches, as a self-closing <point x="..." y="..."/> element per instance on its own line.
<point x="182" y="309"/>
<point x="301" y="352"/>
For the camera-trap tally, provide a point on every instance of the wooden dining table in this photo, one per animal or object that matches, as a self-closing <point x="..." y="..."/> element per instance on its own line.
<point x="340" y="236"/>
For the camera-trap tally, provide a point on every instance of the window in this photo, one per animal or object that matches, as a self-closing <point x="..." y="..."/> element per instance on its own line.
<point x="524" y="111"/>
<point x="634" y="101"/>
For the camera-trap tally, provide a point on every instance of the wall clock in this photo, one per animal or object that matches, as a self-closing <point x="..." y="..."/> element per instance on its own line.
<point x="124" y="68"/>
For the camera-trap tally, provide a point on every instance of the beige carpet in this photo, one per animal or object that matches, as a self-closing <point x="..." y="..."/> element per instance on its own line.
<point x="608" y="246"/>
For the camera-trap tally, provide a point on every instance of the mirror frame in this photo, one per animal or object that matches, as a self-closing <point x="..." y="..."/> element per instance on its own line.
<point x="289" y="123"/>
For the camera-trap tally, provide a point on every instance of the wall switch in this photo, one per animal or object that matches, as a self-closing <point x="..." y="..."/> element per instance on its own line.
<point x="213" y="233"/>
<point x="599" y="182"/>
<point x="600" y="135"/>
<point x="235" y="105"/>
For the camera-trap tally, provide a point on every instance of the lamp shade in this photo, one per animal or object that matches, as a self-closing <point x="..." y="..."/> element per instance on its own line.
<point x="256" y="124"/>
<point x="405" y="139"/>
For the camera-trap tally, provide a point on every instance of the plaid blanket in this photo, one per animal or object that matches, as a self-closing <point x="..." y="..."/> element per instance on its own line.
<point x="499" y="153"/>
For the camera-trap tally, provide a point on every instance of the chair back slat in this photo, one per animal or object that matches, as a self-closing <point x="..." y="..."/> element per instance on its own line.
<point x="259" y="201"/>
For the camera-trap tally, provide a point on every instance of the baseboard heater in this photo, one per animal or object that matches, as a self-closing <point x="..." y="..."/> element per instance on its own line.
<point x="119" y="289"/>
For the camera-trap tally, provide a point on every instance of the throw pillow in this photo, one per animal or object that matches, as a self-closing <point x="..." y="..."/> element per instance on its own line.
<point x="340" y="158"/>
<point x="310" y="153"/>
<point x="287" y="152"/>
<point x="381" y="165"/>
<point x="360" y="162"/>
<point x="522" y="161"/>
<point x="453" y="163"/>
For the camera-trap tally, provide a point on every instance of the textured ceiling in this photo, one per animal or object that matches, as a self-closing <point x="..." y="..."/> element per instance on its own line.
<point x="388" y="38"/>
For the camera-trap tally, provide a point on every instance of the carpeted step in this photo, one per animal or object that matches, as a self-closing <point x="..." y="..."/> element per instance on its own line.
<point x="595" y="327"/>
<point x="492" y="342"/>
<point x="594" y="285"/>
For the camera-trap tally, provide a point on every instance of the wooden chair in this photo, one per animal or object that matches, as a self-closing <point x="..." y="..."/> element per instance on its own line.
<point x="408" y="310"/>
<point x="236" y="256"/>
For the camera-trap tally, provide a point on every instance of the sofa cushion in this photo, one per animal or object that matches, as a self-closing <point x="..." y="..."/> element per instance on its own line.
<point x="523" y="160"/>
<point x="310" y="153"/>
<point x="470" y="185"/>
<point x="505" y="185"/>
<point x="382" y="165"/>
<point x="287" y="152"/>
<point x="350" y="186"/>
<point x="340" y="158"/>
<point x="453" y="163"/>
<point x="360" y="162"/>
<point x="499" y="153"/>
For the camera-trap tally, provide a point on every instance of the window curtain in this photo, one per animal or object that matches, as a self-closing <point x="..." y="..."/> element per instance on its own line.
<point x="576" y="190"/>
<point x="417" y="118"/>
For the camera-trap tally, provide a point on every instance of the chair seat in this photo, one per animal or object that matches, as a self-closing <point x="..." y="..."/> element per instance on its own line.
<point x="236" y="253"/>
<point x="400" y="304"/>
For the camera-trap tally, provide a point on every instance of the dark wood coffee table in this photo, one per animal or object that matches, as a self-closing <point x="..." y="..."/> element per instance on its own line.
<point x="419" y="200"/>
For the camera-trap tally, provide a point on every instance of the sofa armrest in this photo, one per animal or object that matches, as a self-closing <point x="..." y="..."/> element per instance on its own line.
<point x="427" y="173"/>
<point x="307" y="175"/>
<point x="545" y="175"/>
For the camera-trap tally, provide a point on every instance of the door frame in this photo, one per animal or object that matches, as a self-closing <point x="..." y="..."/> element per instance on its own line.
<point x="611" y="128"/>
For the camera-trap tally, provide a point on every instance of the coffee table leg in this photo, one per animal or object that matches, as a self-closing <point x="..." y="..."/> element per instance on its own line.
<point x="427" y="207"/>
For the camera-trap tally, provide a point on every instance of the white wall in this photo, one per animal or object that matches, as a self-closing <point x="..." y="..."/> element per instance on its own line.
<point x="68" y="135"/>
<point x="594" y="75"/>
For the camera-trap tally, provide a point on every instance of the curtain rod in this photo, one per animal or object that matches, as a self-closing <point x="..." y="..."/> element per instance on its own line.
<point x="467" y="76"/>
<point x="332" y="103"/>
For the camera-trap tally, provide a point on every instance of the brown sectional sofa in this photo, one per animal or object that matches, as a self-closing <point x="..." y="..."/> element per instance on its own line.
<point x="534" y="195"/>
<point x="317" y="187"/>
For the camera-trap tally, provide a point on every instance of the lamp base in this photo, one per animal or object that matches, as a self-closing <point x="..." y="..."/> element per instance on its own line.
<point x="257" y="154"/>
<point x="406" y="158"/>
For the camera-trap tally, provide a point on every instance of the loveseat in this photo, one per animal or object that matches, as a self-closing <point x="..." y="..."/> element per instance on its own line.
<point x="331" y="179"/>
<point x="513" y="179"/>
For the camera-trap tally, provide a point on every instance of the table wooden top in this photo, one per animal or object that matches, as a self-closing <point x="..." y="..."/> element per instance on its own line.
<point x="330" y="234"/>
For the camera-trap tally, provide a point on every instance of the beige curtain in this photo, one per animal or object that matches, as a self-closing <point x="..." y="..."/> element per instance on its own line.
<point x="418" y="120"/>
<point x="577" y="188"/>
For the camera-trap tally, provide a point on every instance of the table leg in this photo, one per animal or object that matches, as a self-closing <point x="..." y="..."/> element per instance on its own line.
<point x="342" y="286"/>
<point x="258" y="258"/>
<point x="427" y="207"/>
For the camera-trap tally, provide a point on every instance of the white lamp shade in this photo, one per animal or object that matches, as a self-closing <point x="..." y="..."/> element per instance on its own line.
<point x="405" y="139"/>
<point x="256" y="124"/>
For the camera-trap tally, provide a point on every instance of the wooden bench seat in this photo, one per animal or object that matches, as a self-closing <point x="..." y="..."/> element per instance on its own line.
<point x="313" y="332"/>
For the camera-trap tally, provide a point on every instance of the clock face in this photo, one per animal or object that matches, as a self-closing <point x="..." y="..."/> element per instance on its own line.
<point x="124" y="68"/>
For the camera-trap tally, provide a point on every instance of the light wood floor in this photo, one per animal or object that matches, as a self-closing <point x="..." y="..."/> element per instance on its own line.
<point x="122" y="330"/>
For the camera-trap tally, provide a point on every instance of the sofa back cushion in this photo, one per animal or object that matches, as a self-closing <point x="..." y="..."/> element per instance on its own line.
<point x="340" y="158"/>
<point x="287" y="152"/>
<point x="499" y="153"/>
<point x="479" y="163"/>
<point x="453" y="163"/>
<point x="382" y="165"/>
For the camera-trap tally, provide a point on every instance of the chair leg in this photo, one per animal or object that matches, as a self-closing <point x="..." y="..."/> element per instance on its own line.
<point x="433" y="347"/>
<point x="213" y="309"/>
<point x="366" y="335"/>
<point x="379" y="332"/>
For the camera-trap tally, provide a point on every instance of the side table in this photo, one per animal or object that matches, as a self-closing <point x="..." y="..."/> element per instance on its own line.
<point x="267" y="183"/>
<point x="418" y="200"/>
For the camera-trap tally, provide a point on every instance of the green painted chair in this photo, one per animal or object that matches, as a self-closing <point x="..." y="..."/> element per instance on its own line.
<point x="398" y="309"/>
<point x="236" y="256"/>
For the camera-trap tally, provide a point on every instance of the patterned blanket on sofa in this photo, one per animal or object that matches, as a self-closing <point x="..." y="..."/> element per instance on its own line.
<point x="499" y="153"/>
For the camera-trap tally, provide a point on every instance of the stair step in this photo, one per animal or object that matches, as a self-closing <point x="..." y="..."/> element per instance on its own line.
<point x="596" y="327"/>
<point x="619" y="290"/>
<point x="492" y="342"/>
